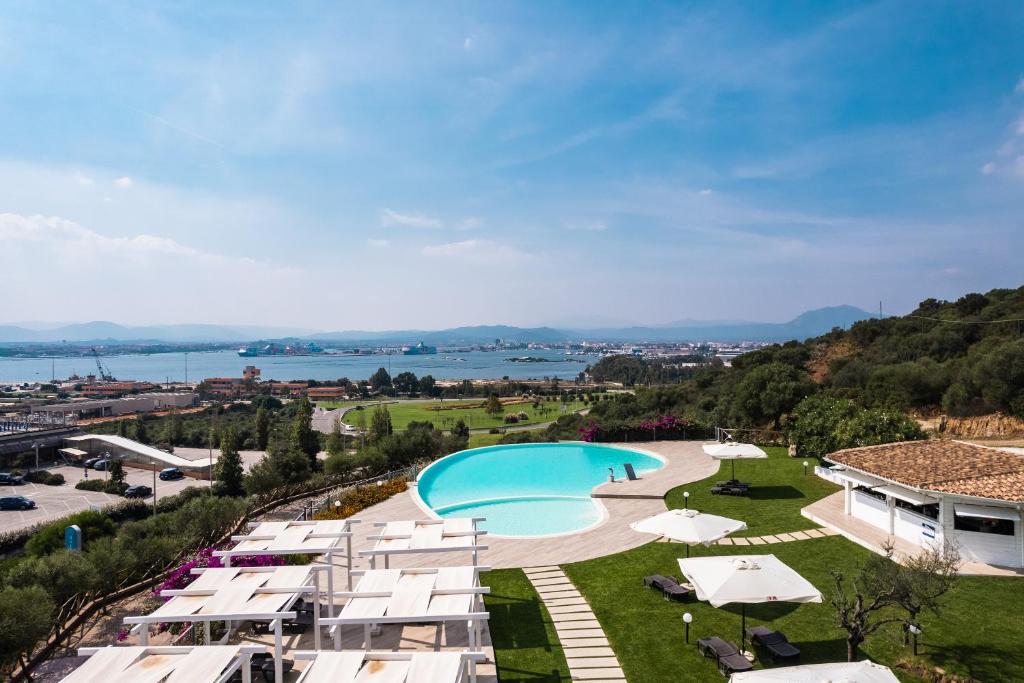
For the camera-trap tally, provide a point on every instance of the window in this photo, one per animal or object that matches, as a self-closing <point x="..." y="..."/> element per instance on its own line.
<point x="929" y="511"/>
<point x="870" y="492"/>
<point x="984" y="525"/>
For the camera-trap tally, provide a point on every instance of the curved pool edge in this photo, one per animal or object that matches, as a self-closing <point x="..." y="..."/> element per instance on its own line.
<point x="604" y="515"/>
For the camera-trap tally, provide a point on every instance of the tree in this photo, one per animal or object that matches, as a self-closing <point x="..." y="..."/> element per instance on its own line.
<point x="493" y="405"/>
<point x="229" y="465"/>
<point x="262" y="428"/>
<point x="262" y="477"/>
<point x="140" y="429"/>
<point x="336" y="440"/>
<point x="866" y="608"/>
<point x="62" y="574"/>
<point x="815" y="421"/>
<point x="112" y="561"/>
<point x="173" y="429"/>
<point x="768" y="391"/>
<point x="25" y="619"/>
<point x="380" y="423"/>
<point x="115" y="469"/>
<point x="122" y="428"/>
<point x="428" y="386"/>
<point x="380" y="380"/>
<point x="460" y="429"/>
<point x="926" y="578"/>
<point x="291" y="465"/>
<point x="406" y="383"/>
<point x="303" y="438"/>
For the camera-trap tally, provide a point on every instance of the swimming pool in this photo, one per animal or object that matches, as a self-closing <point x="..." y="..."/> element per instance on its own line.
<point x="535" y="489"/>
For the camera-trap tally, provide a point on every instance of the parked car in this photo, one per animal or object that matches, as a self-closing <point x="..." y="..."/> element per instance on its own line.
<point x="100" y="464"/>
<point x="17" y="503"/>
<point x="8" y="479"/>
<point x="91" y="462"/>
<point x="138" y="491"/>
<point x="171" y="473"/>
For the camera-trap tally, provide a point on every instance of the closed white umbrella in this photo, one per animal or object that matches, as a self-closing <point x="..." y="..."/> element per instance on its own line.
<point x="746" y="579"/>
<point x="689" y="526"/>
<point x="840" y="672"/>
<point x="733" y="450"/>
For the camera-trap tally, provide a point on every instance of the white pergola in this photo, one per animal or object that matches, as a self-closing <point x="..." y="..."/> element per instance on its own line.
<point x="323" y="537"/>
<point x="144" y="664"/>
<point x="455" y="534"/>
<point x="414" y="596"/>
<point x="393" y="667"/>
<point x="235" y="594"/>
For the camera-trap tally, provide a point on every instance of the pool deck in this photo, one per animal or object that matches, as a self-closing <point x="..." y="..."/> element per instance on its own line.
<point x="625" y="502"/>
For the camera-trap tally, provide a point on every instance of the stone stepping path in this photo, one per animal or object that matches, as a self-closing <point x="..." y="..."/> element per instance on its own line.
<point x="778" y="538"/>
<point x="587" y="652"/>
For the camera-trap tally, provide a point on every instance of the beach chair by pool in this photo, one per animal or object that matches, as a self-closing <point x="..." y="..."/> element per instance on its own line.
<point x="775" y="642"/>
<point x="727" y="655"/>
<point x="668" y="585"/>
<point x="630" y="472"/>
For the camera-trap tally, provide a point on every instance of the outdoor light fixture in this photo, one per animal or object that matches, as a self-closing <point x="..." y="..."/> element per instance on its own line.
<point x="915" y="631"/>
<point x="686" y="499"/>
<point x="687" y="618"/>
<point x="805" y="468"/>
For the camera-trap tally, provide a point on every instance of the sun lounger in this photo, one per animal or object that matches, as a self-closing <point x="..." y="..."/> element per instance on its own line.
<point x="775" y="642"/>
<point x="630" y="472"/>
<point x="723" y="488"/>
<point x="668" y="585"/>
<point x="725" y="653"/>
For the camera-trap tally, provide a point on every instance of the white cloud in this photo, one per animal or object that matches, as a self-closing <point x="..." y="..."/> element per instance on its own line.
<point x="124" y="182"/>
<point x="705" y="192"/>
<point x="989" y="168"/>
<point x="469" y="43"/>
<point x="84" y="180"/>
<point x="377" y="243"/>
<point x="469" y="223"/>
<point x="390" y="217"/>
<point x="1020" y="85"/>
<point x="476" y="251"/>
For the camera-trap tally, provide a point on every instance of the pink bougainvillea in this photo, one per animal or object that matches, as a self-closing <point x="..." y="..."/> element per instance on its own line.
<point x="204" y="559"/>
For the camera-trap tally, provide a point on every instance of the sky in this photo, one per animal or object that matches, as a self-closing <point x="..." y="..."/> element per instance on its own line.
<point x="342" y="166"/>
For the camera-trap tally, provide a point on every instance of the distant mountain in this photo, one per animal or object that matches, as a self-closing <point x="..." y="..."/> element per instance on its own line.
<point x="104" y="331"/>
<point x="809" y="324"/>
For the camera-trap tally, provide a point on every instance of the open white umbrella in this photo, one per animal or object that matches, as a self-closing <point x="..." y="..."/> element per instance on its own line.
<point x="733" y="450"/>
<point x="689" y="527"/>
<point x="839" y="672"/>
<point x="746" y="579"/>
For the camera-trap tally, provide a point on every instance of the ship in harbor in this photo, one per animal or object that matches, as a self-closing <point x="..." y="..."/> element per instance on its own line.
<point x="420" y="349"/>
<point x="253" y="350"/>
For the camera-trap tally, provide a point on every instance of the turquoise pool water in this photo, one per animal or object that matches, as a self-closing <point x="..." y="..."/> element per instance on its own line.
<point x="527" y="489"/>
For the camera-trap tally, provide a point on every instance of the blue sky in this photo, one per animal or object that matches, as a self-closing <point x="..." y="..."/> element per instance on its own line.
<point x="368" y="166"/>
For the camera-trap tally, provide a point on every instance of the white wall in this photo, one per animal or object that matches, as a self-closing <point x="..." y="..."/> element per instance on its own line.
<point x="989" y="548"/>
<point x="870" y="510"/>
<point x="910" y="526"/>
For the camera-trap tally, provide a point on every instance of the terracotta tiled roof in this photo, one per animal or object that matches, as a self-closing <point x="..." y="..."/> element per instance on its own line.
<point x="943" y="466"/>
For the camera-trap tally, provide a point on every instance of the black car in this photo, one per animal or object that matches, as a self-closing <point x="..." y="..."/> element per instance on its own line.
<point x="171" y="473"/>
<point x="8" y="479"/>
<point x="17" y="503"/>
<point x="138" y="491"/>
<point x="91" y="462"/>
<point x="100" y="464"/>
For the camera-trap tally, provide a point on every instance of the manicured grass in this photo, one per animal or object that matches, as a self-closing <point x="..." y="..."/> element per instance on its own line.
<point x="978" y="634"/>
<point x="526" y="645"/>
<point x="778" y="491"/>
<point x="445" y="414"/>
<point x="478" y="439"/>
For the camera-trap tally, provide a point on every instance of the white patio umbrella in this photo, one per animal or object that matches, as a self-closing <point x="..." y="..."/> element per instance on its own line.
<point x="746" y="579"/>
<point x="689" y="527"/>
<point x="733" y="450"/>
<point x="839" y="672"/>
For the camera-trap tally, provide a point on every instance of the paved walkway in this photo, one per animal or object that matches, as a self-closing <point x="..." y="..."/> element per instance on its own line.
<point x="587" y="651"/>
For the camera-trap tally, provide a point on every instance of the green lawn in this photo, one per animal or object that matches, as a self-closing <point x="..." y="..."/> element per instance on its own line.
<point x="647" y="634"/>
<point x="526" y="646"/>
<point x="479" y="439"/>
<point x="778" y="491"/>
<point x="445" y="414"/>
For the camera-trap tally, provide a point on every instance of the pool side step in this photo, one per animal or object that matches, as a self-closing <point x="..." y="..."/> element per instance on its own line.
<point x="587" y="651"/>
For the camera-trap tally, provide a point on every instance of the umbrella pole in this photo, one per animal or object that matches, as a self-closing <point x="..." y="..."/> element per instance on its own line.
<point x="743" y="628"/>
<point x="733" y="469"/>
<point x="687" y="549"/>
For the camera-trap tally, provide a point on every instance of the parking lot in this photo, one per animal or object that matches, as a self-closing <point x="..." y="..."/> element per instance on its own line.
<point x="57" y="501"/>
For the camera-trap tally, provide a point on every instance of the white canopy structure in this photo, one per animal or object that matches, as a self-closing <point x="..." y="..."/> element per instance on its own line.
<point x="393" y="667"/>
<point x="414" y="596"/>
<point x="456" y="534"/>
<point x="688" y="526"/>
<point x="322" y="537"/>
<point x="733" y="450"/>
<point x="746" y="579"/>
<point x="239" y="594"/>
<point x="840" y="672"/>
<point x="143" y="664"/>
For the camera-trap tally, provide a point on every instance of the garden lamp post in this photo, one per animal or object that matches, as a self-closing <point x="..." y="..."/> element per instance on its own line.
<point x="805" y="468"/>
<point x="687" y="618"/>
<point x="686" y="499"/>
<point x="915" y="631"/>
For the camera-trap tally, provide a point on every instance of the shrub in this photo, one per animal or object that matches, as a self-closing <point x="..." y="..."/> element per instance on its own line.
<point x="90" y="485"/>
<point x="362" y="497"/>
<point x="172" y="503"/>
<point x="44" y="477"/>
<point x="51" y="537"/>
<point x="62" y="574"/>
<point x="25" y="616"/>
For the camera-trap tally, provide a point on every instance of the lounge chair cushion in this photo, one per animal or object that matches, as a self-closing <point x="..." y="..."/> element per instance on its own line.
<point x="716" y="647"/>
<point x="730" y="664"/>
